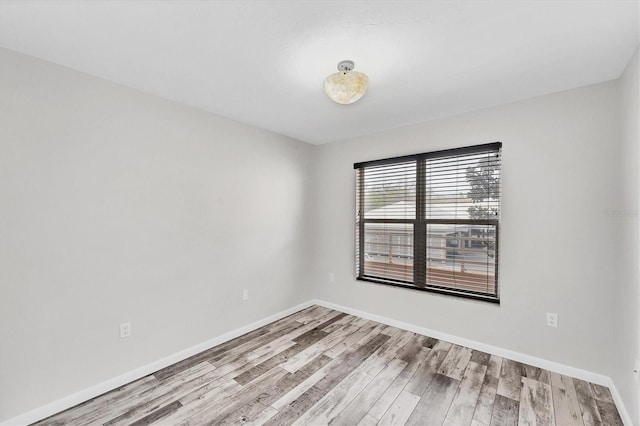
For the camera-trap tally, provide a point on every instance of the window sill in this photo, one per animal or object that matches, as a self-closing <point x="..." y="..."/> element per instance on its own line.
<point x="465" y="294"/>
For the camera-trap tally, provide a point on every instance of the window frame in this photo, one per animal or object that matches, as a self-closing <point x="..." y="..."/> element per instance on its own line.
<point x="421" y="222"/>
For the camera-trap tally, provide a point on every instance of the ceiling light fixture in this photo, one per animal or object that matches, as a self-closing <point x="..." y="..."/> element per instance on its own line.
<point x="346" y="86"/>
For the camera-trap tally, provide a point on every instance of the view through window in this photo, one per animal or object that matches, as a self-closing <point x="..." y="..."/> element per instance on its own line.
<point x="430" y="221"/>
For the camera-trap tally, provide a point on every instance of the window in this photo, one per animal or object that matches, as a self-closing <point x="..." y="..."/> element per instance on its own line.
<point x="431" y="221"/>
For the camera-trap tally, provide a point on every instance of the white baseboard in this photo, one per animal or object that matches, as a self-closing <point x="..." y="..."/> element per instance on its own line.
<point x="494" y="350"/>
<point x="622" y="409"/>
<point x="100" y="388"/>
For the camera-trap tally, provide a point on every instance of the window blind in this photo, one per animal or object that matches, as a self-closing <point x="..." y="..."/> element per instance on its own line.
<point x="431" y="221"/>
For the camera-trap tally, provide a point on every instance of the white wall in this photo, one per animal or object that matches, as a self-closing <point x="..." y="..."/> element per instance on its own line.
<point x="627" y="305"/>
<point x="558" y="247"/>
<point x="117" y="205"/>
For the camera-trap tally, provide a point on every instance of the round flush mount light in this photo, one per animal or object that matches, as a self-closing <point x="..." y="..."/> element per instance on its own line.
<point x="346" y="86"/>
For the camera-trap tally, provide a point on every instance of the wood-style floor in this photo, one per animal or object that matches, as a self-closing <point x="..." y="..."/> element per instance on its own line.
<point x="320" y="366"/>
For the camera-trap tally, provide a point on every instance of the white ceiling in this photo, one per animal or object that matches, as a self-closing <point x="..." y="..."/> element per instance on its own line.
<point x="264" y="62"/>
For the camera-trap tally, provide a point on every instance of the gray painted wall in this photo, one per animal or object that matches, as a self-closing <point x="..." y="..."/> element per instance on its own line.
<point x="558" y="246"/>
<point x="120" y="206"/>
<point x="627" y="307"/>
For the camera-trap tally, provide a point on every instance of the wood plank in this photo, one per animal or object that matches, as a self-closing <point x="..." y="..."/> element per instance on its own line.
<point x="333" y="319"/>
<point x="412" y="348"/>
<point x="273" y="348"/>
<point x="226" y="382"/>
<point x="455" y="362"/>
<point x="298" y="360"/>
<point x="393" y="391"/>
<point x="601" y="393"/>
<point x="368" y="421"/>
<point x="588" y="407"/>
<point x="537" y="374"/>
<point x="510" y="381"/>
<point x="400" y="410"/>
<point x="559" y="381"/>
<point x="288" y="331"/>
<point x="273" y="330"/>
<point x="484" y="405"/>
<point x="242" y="415"/>
<point x="486" y="399"/>
<point x="158" y="414"/>
<point x="421" y="380"/>
<point x="302" y="312"/>
<point x="505" y="412"/>
<point x="311" y="334"/>
<point x="267" y="414"/>
<point x="99" y="407"/>
<point x="194" y="379"/>
<point x="214" y="413"/>
<point x="609" y="413"/>
<point x="311" y="313"/>
<point x="220" y="406"/>
<point x="222" y="376"/>
<point x="464" y="402"/>
<point x="495" y="366"/>
<point x="300" y="389"/>
<point x="565" y="400"/>
<point x="246" y="348"/>
<point x="536" y="403"/>
<point x="191" y="407"/>
<point x="302" y="342"/>
<point x="359" y="407"/>
<point x="292" y="380"/>
<point x="480" y="357"/>
<point x="227" y="371"/>
<point x="347" y="319"/>
<point x="208" y="354"/>
<point x="331" y="404"/>
<point x="434" y="404"/>
<point x="385" y="353"/>
<point x="430" y="342"/>
<point x="342" y="346"/>
<point x="341" y="367"/>
<point x="390" y="330"/>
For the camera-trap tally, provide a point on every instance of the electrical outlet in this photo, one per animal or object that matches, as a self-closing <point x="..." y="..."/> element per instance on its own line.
<point x="636" y="371"/>
<point x="125" y="330"/>
<point x="552" y="319"/>
<point x="332" y="277"/>
<point x="245" y="294"/>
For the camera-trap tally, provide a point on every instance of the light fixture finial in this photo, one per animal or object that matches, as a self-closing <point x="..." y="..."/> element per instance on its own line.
<point x="346" y="65"/>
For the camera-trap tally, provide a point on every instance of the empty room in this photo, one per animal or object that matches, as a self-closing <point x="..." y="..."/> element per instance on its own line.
<point x="289" y="212"/>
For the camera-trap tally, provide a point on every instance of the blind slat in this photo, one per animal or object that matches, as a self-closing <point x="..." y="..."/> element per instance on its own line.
<point x="431" y="220"/>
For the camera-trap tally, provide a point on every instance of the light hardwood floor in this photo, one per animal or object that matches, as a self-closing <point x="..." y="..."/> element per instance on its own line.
<point x="320" y="366"/>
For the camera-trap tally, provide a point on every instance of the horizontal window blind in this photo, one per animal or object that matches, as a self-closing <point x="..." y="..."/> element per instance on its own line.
<point x="431" y="221"/>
